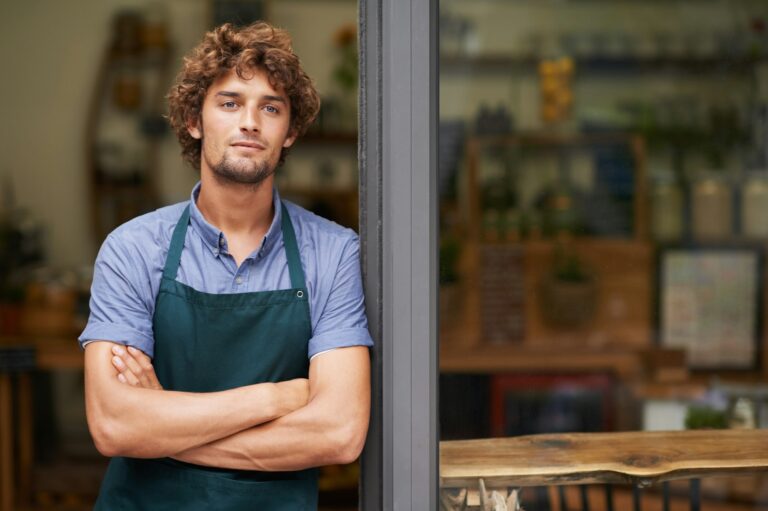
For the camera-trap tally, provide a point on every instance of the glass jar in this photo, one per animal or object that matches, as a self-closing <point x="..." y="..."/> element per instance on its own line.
<point x="754" y="206"/>
<point x="667" y="209"/>
<point x="712" y="208"/>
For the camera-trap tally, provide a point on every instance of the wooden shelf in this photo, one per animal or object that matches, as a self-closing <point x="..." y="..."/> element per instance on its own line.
<point x="500" y="359"/>
<point x="684" y="390"/>
<point x="552" y="141"/>
<point x="114" y="201"/>
<point x="506" y="63"/>
<point x="622" y="320"/>
<point x="546" y="139"/>
<point x="61" y="352"/>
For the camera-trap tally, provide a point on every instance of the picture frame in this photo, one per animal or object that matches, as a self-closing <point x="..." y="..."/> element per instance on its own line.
<point x="710" y="301"/>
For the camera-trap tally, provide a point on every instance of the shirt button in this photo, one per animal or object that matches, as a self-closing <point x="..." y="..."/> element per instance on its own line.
<point x="221" y="241"/>
<point x="239" y="280"/>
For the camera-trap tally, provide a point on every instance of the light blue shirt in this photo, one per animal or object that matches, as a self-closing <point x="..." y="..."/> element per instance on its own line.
<point x="129" y="268"/>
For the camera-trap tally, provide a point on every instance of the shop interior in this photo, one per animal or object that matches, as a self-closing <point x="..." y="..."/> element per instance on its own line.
<point x="87" y="149"/>
<point x="603" y="183"/>
<point x="602" y="167"/>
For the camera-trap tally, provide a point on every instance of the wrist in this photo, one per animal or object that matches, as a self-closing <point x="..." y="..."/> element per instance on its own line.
<point x="270" y="396"/>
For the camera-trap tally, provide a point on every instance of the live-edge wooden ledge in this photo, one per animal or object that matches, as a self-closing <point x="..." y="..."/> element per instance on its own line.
<point x="642" y="458"/>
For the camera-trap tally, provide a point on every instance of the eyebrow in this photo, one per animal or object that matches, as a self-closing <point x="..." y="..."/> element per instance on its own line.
<point x="237" y="95"/>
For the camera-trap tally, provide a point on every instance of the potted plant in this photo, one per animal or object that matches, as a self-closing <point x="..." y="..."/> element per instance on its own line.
<point x="20" y="248"/>
<point x="11" y="286"/>
<point x="450" y="290"/>
<point x="568" y="292"/>
<point x="345" y="76"/>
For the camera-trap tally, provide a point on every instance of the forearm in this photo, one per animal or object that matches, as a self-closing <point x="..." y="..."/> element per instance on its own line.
<point x="146" y="423"/>
<point x="330" y="429"/>
<point x="308" y="437"/>
<point x="132" y="421"/>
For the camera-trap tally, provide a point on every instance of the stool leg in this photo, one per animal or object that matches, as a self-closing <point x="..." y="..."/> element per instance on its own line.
<point x="6" y="444"/>
<point x="695" y="486"/>
<point x="26" y="440"/>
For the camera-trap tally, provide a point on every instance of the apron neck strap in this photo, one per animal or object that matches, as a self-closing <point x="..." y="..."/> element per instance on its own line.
<point x="291" y="249"/>
<point x="289" y="240"/>
<point x="177" y="244"/>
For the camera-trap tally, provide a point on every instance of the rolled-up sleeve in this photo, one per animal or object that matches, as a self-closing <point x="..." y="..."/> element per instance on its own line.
<point x="343" y="322"/>
<point x="121" y="304"/>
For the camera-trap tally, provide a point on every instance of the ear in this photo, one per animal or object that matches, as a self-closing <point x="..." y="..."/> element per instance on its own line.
<point x="193" y="128"/>
<point x="289" y="140"/>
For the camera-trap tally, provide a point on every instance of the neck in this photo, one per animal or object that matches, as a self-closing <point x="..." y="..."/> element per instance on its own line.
<point x="237" y="209"/>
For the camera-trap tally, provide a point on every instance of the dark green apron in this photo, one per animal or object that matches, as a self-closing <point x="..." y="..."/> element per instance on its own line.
<point x="206" y="343"/>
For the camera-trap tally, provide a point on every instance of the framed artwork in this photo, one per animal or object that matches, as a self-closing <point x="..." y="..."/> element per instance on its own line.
<point x="710" y="305"/>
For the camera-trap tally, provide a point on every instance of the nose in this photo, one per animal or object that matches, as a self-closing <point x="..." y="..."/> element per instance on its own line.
<point x="249" y="120"/>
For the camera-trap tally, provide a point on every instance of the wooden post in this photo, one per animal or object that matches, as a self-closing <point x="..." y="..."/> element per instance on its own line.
<point x="6" y="444"/>
<point x="26" y="440"/>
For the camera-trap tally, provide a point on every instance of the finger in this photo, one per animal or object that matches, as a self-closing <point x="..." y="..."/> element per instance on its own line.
<point x="148" y="369"/>
<point x="130" y="365"/>
<point x="137" y="369"/>
<point x="123" y="371"/>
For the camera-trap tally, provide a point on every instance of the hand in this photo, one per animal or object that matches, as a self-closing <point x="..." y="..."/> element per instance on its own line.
<point x="292" y="395"/>
<point x="134" y="368"/>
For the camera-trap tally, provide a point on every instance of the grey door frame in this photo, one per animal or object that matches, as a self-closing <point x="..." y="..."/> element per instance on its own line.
<point x="399" y="236"/>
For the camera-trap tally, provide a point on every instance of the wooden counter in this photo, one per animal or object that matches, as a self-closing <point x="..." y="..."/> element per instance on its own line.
<point x="580" y="458"/>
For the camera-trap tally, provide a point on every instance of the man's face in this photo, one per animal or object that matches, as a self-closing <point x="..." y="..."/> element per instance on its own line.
<point x="244" y="125"/>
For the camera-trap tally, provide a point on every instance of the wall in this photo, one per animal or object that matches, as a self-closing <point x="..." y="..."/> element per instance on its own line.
<point x="51" y="52"/>
<point x="51" y="55"/>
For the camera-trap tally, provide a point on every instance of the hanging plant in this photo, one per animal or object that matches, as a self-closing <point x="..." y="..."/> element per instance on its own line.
<point x="345" y="72"/>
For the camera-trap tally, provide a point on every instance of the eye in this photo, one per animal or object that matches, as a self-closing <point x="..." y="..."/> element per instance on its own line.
<point x="229" y="104"/>
<point x="272" y="109"/>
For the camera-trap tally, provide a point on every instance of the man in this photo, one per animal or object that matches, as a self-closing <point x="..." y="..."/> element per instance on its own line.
<point x="227" y="349"/>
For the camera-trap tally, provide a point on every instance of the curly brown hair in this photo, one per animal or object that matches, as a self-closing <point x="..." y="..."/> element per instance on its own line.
<point x="256" y="46"/>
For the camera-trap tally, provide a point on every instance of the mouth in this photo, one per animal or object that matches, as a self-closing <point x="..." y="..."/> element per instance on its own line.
<point x="244" y="144"/>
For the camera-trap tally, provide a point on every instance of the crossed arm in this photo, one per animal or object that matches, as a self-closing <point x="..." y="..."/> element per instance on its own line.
<point x="270" y="426"/>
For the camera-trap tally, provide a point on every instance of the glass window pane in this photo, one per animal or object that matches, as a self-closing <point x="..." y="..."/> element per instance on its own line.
<point x="603" y="178"/>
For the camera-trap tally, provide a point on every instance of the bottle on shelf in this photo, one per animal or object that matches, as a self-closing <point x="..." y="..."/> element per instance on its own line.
<point x="667" y="211"/>
<point x="754" y="206"/>
<point x="712" y="207"/>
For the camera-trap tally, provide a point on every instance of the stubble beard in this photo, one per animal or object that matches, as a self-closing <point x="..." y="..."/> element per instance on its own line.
<point x="242" y="171"/>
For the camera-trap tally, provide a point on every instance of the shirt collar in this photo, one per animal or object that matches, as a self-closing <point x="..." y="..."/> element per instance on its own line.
<point x="214" y="237"/>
